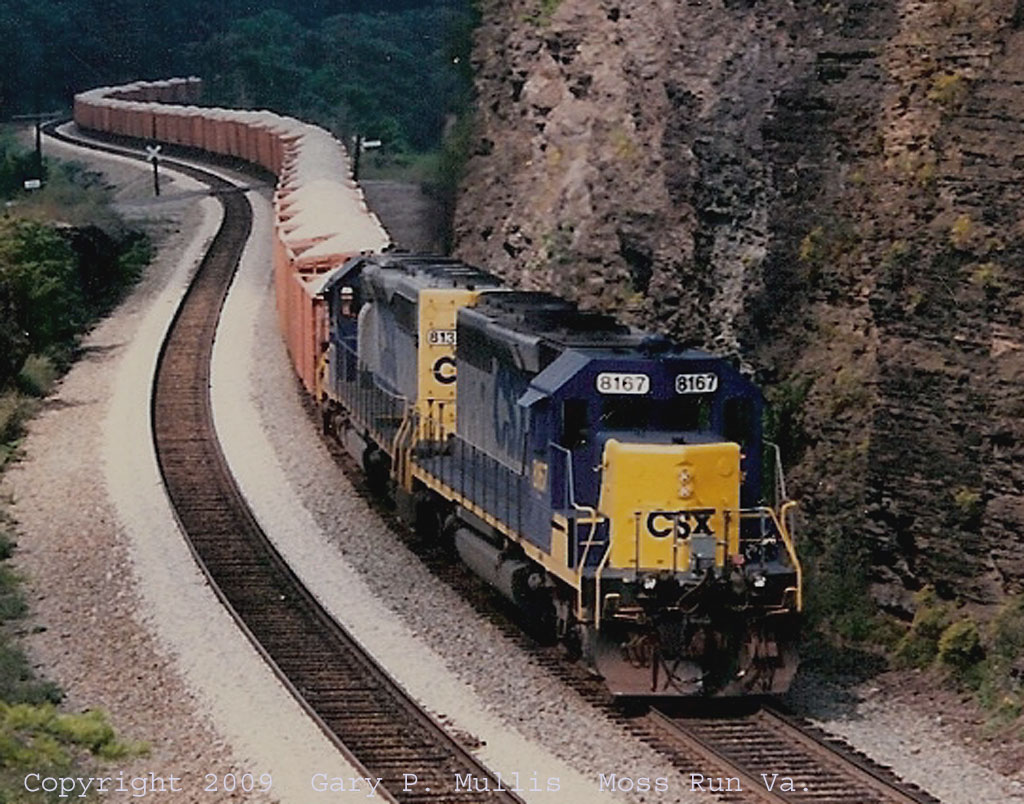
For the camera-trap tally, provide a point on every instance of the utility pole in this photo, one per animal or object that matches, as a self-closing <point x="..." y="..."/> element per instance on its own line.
<point x="356" y="151"/>
<point x="39" y="135"/>
<point x="39" y="146"/>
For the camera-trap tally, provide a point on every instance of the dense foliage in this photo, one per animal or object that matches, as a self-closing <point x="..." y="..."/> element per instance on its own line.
<point x="54" y="281"/>
<point x="388" y="70"/>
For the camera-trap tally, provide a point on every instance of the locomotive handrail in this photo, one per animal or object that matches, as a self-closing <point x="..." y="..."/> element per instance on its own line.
<point x="787" y="507"/>
<point x="597" y="587"/>
<point x="778" y="520"/>
<point x="780" y="476"/>
<point x="363" y="402"/>
<point x="406" y="432"/>
<point x="569" y="482"/>
<point x="595" y="515"/>
<point x="762" y="513"/>
<point x="581" y="567"/>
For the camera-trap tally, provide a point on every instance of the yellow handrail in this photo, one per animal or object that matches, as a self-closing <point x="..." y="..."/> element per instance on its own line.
<point x="597" y="588"/>
<point x="586" y="553"/>
<point x="787" y="539"/>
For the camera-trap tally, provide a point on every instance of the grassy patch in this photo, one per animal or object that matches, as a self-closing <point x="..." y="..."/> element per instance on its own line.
<point x="407" y="167"/>
<point x="38" y="376"/>
<point x="988" y="276"/>
<point x="970" y="506"/>
<point x="542" y="12"/>
<point x="949" y="90"/>
<point x="962" y="232"/>
<point x="37" y="738"/>
<point x="15" y="410"/>
<point x="72" y="195"/>
<point x="828" y="254"/>
<point x="959" y="646"/>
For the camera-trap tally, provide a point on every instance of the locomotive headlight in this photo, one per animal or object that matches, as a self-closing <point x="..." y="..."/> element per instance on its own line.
<point x="685" y="484"/>
<point x="759" y="581"/>
<point x="650" y="581"/>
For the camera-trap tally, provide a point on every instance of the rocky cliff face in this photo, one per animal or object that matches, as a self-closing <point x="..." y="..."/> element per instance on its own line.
<point x="832" y="192"/>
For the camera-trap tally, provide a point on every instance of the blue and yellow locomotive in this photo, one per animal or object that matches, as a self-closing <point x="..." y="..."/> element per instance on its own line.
<point x="603" y="479"/>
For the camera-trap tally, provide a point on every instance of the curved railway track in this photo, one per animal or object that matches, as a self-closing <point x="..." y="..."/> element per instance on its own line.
<point x="720" y="745"/>
<point x="757" y="752"/>
<point x="379" y="729"/>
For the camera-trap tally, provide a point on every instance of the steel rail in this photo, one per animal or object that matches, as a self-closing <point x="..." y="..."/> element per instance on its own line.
<point x="763" y="749"/>
<point x="365" y="713"/>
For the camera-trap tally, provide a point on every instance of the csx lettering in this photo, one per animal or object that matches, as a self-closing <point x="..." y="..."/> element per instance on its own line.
<point x="662" y="523"/>
<point x="444" y="370"/>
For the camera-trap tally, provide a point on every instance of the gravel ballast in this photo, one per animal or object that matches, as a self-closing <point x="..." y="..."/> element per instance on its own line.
<point x="130" y="624"/>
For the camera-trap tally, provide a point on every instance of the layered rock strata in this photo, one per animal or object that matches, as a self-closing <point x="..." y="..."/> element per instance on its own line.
<point x="832" y="193"/>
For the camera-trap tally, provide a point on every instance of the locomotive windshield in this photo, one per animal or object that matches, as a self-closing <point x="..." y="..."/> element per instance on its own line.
<point x="686" y="414"/>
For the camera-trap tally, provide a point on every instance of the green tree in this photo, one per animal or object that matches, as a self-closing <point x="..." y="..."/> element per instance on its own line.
<point x="38" y="271"/>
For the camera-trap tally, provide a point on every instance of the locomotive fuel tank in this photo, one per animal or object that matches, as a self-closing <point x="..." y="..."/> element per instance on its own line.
<point x="516" y="578"/>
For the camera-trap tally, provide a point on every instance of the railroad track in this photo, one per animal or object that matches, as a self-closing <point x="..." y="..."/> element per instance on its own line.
<point x="379" y="729"/>
<point x="768" y="756"/>
<point x="721" y="745"/>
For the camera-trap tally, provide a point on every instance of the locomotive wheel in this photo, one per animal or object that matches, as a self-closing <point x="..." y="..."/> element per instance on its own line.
<point x="431" y="515"/>
<point x="377" y="467"/>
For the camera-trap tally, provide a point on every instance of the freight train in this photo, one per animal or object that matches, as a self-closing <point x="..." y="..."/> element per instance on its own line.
<point x="611" y="484"/>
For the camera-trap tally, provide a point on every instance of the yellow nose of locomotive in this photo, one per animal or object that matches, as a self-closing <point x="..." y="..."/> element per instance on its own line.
<point x="672" y="507"/>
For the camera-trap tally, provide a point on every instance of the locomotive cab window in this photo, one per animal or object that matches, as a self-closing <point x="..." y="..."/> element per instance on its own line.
<point x="574" y="423"/>
<point x="688" y="414"/>
<point x="738" y="420"/>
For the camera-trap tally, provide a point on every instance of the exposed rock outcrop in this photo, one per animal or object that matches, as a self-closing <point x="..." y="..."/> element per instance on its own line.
<point x="832" y="192"/>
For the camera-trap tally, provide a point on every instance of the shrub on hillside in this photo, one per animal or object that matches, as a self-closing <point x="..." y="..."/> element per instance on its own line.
<point x="38" y="277"/>
<point x="920" y="645"/>
<point x="959" y="646"/>
<point x="54" y="281"/>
